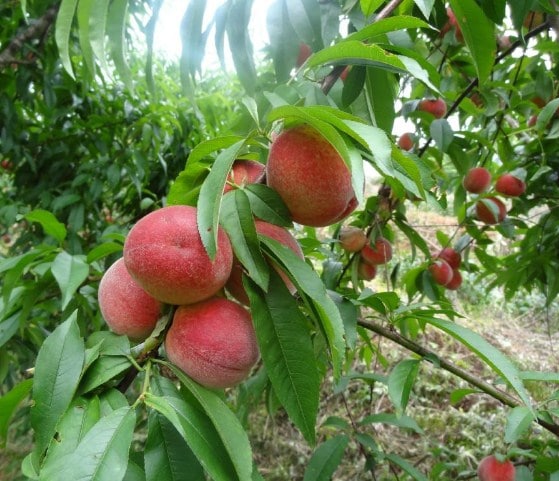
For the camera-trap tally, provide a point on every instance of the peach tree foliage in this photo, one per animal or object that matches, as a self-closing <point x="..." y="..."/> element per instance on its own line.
<point x="104" y="408"/>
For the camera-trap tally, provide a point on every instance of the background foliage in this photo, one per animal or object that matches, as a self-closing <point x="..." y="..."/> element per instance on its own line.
<point x="97" y="130"/>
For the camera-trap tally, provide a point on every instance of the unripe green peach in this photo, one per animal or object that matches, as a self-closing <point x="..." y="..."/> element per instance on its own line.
<point x="311" y="177"/>
<point x="165" y="255"/>
<point x="352" y="239"/>
<point x="213" y="342"/>
<point x="125" y="306"/>
<point x="235" y="282"/>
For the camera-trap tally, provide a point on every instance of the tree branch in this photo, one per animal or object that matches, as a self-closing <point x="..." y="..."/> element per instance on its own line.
<point x="475" y="381"/>
<point x="35" y="30"/>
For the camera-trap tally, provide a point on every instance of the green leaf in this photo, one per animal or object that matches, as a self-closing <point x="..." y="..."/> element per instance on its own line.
<point x="103" y="250"/>
<point x="494" y="358"/>
<point x="211" y="193"/>
<point x="287" y="351"/>
<point x="368" y="7"/>
<point x="9" y="403"/>
<point x="400" y="382"/>
<point x="8" y="328"/>
<point x="326" y="459"/>
<point x="57" y="374"/>
<point x="69" y="271"/>
<point x="197" y="430"/>
<point x="479" y="35"/>
<point x="284" y="43"/>
<point x="237" y="220"/>
<point x="83" y="14"/>
<point x="380" y="95"/>
<point x="167" y="457"/>
<point x="193" y="41"/>
<point x="308" y="282"/>
<point x="406" y="467"/>
<point x="305" y="19"/>
<point x="266" y="204"/>
<point x="519" y="10"/>
<point x="442" y="133"/>
<point x="97" y="32"/>
<point x="63" y="27"/>
<point x="403" y="421"/>
<point x="519" y="420"/>
<point x="386" y="25"/>
<point x="426" y="6"/>
<point x="102" y="370"/>
<point x="48" y="222"/>
<point x="101" y="455"/>
<point x="539" y="376"/>
<point x="116" y="30"/>
<point x="226" y="423"/>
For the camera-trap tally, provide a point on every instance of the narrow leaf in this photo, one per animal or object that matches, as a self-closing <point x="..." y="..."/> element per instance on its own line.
<point x="48" y="222"/>
<point x="386" y="25"/>
<point x="69" y="271"/>
<point x="287" y="351"/>
<point x="266" y="204"/>
<point x="406" y="467"/>
<point x="518" y="421"/>
<point x="9" y="403"/>
<point x="400" y="382"/>
<point x="63" y="27"/>
<point x="326" y="459"/>
<point x="97" y="32"/>
<point x="116" y="30"/>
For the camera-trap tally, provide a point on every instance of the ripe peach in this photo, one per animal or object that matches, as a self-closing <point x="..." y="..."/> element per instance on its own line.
<point x="491" y="469"/>
<point x="436" y="107"/>
<point x="537" y="100"/>
<point x="441" y="272"/>
<point x="125" y="306"/>
<point x="377" y="252"/>
<point x="235" y="282"/>
<point x="345" y="73"/>
<point x="532" y="120"/>
<point x="165" y="255"/>
<point x="452" y="257"/>
<point x="405" y="142"/>
<point x="456" y="280"/>
<point x="352" y="239"/>
<point x="366" y="271"/>
<point x="213" y="342"/>
<point x="244" y="172"/>
<point x="305" y="52"/>
<point x="454" y="23"/>
<point x="477" y="180"/>
<point x="510" y="185"/>
<point x="7" y="164"/>
<point x="311" y="177"/>
<point x="491" y="210"/>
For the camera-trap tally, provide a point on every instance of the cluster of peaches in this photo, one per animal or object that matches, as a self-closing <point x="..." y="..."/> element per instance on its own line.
<point x="164" y="263"/>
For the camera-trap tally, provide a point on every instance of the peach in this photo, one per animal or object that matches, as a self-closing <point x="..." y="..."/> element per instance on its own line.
<point x="366" y="271"/>
<point x="442" y="273"/>
<point x="305" y="52"/>
<point x="405" y="142"/>
<point x="491" y="210"/>
<point x="477" y="180"/>
<point x="311" y="177"/>
<point x="508" y="184"/>
<point x="436" y="107"/>
<point x="533" y="19"/>
<point x="456" y="280"/>
<point x="345" y="73"/>
<point x="235" y="282"/>
<point x="352" y="239"/>
<point x="244" y="172"/>
<point x="452" y="257"/>
<point x="213" y="342"/>
<point x="377" y="252"/>
<point x="125" y="306"/>
<point x="491" y="469"/>
<point x="165" y="255"/>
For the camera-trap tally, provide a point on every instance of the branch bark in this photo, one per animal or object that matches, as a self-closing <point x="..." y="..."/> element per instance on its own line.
<point x="37" y="29"/>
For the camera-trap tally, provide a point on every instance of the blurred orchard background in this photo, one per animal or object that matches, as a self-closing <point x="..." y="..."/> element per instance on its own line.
<point x="112" y="109"/>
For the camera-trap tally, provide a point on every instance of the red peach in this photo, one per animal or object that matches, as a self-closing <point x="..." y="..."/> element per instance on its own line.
<point x="491" y="210"/>
<point x="456" y="280"/>
<point x="244" y="172"/>
<point x="305" y="52"/>
<point x="436" y="107"/>
<point x="165" y="255"/>
<point x="491" y="469"/>
<point x="7" y="164"/>
<point x="532" y="120"/>
<point x="352" y="239"/>
<point x="510" y="185"/>
<point x="311" y="177"/>
<point x="213" y="342"/>
<point x="377" y="252"/>
<point x="125" y="306"/>
<point x="441" y="272"/>
<point x="538" y="101"/>
<point x="235" y="282"/>
<point x="477" y="180"/>
<point x="366" y="271"/>
<point x="452" y="257"/>
<point x="345" y="73"/>
<point x="405" y="142"/>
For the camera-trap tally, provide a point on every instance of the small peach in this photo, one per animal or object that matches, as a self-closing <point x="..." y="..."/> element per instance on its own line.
<point x="491" y="210"/>
<point x="244" y="172"/>
<point x="510" y="185"/>
<point x="456" y="280"/>
<point x="377" y="252"/>
<point x="436" y="107"/>
<point x="452" y="257"/>
<point x="477" y="180"/>
<point x="405" y="142"/>
<point x="352" y="239"/>
<point x="491" y="469"/>
<point x="442" y="273"/>
<point x="366" y="271"/>
<point x="305" y="52"/>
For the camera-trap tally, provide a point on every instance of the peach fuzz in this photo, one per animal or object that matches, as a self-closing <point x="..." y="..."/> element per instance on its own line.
<point x="477" y="180"/>
<point x="165" y="255"/>
<point x="311" y="177"/>
<point x="235" y="282"/>
<point x="491" y="469"/>
<point x="213" y="342"/>
<point x="244" y="172"/>
<point x="125" y="306"/>
<point x="352" y="239"/>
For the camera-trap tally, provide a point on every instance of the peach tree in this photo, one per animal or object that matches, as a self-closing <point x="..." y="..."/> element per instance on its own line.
<point x="262" y="242"/>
